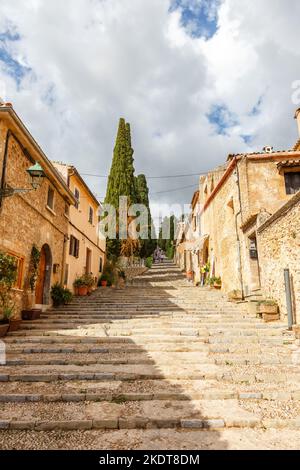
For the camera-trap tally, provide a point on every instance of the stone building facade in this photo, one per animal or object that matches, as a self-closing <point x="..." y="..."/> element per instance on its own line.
<point x="85" y="252"/>
<point x="36" y="218"/>
<point x="233" y="198"/>
<point x="279" y="249"/>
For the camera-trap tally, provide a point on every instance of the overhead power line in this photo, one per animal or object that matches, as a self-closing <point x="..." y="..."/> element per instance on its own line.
<point x="149" y="177"/>
<point x="175" y="189"/>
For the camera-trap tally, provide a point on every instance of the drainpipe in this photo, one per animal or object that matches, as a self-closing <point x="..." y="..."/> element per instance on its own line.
<point x="237" y="231"/>
<point x="289" y="302"/>
<point x="63" y="270"/>
<point x="3" y="176"/>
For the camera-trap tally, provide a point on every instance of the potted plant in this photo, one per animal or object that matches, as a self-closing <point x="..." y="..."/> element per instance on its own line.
<point x="210" y="281"/>
<point x="89" y="282"/>
<point x="269" y="310"/>
<point x="32" y="314"/>
<point x="9" y="315"/>
<point x="60" y="295"/>
<point x="104" y="280"/>
<point x="205" y="270"/>
<point x="81" y="286"/>
<point x="76" y="284"/>
<point x="189" y="275"/>
<point x="4" y="323"/>
<point x="8" y="276"/>
<point x="217" y="283"/>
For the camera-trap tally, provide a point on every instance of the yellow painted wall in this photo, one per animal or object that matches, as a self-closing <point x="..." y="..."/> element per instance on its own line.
<point x="82" y="230"/>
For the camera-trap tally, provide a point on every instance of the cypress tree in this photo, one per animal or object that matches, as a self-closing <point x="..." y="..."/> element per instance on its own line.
<point x="122" y="182"/>
<point x="142" y="191"/>
<point x="121" y="178"/>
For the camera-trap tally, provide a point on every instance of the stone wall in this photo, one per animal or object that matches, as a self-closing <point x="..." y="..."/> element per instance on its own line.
<point x="279" y="248"/>
<point x="26" y="221"/>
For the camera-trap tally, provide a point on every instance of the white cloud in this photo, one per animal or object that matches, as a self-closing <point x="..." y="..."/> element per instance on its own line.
<point x="93" y="61"/>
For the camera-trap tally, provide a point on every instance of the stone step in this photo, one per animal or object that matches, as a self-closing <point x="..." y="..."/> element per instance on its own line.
<point x="171" y="329"/>
<point x="196" y="414"/>
<point x="70" y="348"/>
<point x="67" y="396"/>
<point x="185" y="389"/>
<point x="124" y="372"/>
<point x="139" y="358"/>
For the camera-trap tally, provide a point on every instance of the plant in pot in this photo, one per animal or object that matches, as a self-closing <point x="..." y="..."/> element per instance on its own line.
<point x="104" y="280"/>
<point x="89" y="281"/>
<point x="269" y="310"/>
<point x="80" y="286"/>
<point x="217" y="283"/>
<point x="189" y="275"/>
<point x="4" y="323"/>
<point x="8" y="276"/>
<point x="14" y="320"/>
<point x="210" y="281"/>
<point x="60" y="295"/>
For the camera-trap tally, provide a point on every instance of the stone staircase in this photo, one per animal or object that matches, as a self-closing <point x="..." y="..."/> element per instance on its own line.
<point x="158" y="355"/>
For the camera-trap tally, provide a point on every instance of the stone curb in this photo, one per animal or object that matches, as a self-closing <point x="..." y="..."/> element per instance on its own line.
<point x="135" y="397"/>
<point x="146" y="423"/>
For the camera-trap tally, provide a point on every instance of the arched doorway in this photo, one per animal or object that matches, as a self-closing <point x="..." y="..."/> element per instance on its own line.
<point x="42" y="291"/>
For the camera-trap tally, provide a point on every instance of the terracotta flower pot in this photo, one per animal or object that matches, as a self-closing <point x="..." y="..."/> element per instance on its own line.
<point x="82" y="291"/>
<point x="29" y="315"/>
<point x="4" y="329"/>
<point x="14" y="325"/>
<point x="103" y="283"/>
<point x="76" y="290"/>
<point x="268" y="309"/>
<point x="218" y="286"/>
<point x="190" y="275"/>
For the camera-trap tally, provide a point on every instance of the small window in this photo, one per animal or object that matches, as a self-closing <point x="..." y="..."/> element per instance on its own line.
<point x="101" y="265"/>
<point x="77" y="197"/>
<point x="91" y="216"/>
<point x="292" y="182"/>
<point x="50" y="198"/>
<point x="74" y="247"/>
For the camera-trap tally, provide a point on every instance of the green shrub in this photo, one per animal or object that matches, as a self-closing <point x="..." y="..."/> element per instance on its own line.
<point x="149" y="262"/>
<point x="60" y="295"/>
<point x="8" y="271"/>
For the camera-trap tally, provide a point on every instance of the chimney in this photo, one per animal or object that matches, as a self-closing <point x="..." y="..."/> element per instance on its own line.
<point x="297" y="116"/>
<point x="268" y="149"/>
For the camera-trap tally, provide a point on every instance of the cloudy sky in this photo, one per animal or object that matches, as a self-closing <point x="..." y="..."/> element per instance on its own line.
<point x="197" y="79"/>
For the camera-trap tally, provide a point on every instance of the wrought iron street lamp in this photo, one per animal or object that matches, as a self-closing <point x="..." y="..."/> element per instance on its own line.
<point x="36" y="174"/>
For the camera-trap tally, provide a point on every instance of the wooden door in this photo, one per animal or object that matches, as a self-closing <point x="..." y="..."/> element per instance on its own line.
<point x="39" y="290"/>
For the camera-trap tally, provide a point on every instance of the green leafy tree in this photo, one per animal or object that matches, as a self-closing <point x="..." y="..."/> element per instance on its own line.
<point x="147" y="246"/>
<point x="168" y="227"/>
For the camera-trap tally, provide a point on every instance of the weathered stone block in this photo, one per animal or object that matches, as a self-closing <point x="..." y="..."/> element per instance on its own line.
<point x="106" y="423"/>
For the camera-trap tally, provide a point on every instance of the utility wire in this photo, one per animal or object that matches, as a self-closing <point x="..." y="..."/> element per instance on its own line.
<point x="149" y="177"/>
<point x="174" y="190"/>
<point x="163" y="192"/>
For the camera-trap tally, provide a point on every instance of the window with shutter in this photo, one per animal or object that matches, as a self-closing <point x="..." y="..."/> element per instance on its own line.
<point x="91" y="216"/>
<point x="50" y="198"/>
<point x="77" y="197"/>
<point x="77" y="249"/>
<point x="74" y="247"/>
<point x="292" y="182"/>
